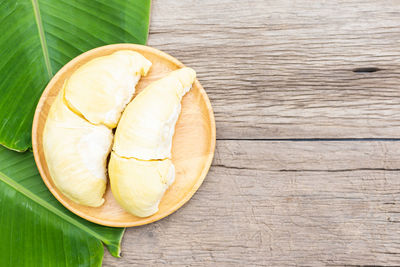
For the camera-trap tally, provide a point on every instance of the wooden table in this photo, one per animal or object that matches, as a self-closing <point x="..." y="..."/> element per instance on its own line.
<point x="306" y="96"/>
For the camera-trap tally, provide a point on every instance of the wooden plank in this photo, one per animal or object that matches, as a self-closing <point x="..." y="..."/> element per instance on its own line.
<point x="284" y="69"/>
<point x="282" y="204"/>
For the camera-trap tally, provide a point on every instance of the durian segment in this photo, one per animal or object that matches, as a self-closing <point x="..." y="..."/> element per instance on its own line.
<point x="100" y="89"/>
<point x="147" y="125"/>
<point x="139" y="185"/>
<point x="76" y="153"/>
<point x="140" y="168"/>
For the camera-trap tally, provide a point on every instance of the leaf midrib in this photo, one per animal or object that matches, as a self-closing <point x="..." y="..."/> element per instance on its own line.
<point x="10" y="182"/>
<point x="43" y="43"/>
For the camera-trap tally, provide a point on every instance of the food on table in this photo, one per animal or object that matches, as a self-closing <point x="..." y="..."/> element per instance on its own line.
<point x="77" y="137"/>
<point x="140" y="167"/>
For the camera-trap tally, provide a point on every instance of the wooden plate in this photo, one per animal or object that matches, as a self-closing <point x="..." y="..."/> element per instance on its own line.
<point x="192" y="150"/>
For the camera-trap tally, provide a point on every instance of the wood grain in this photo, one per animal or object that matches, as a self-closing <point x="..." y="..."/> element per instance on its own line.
<point x="284" y="69"/>
<point x="282" y="204"/>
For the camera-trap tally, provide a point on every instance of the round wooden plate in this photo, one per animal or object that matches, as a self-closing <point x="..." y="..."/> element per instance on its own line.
<point x="192" y="149"/>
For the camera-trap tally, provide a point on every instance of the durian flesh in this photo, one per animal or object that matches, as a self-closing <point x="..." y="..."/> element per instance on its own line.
<point x="138" y="185"/>
<point x="148" y="122"/>
<point x="76" y="153"/>
<point x="77" y="137"/>
<point x="140" y="167"/>
<point x="100" y="89"/>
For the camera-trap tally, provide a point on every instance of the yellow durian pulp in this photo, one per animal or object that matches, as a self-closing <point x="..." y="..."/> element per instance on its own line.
<point x="139" y="184"/>
<point x="78" y="136"/>
<point x="147" y="125"/>
<point x="100" y="89"/>
<point x="140" y="167"/>
<point x="76" y="152"/>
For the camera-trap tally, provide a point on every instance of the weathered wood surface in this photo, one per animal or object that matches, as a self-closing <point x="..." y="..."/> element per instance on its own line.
<point x="284" y="70"/>
<point x="290" y="203"/>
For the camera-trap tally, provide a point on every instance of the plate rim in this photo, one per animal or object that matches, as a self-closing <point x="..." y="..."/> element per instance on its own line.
<point x="57" y="195"/>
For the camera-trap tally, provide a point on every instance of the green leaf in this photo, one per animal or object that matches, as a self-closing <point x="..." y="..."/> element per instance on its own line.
<point x="39" y="36"/>
<point x="36" y="230"/>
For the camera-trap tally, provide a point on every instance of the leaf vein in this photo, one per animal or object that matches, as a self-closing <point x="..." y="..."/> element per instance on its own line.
<point x="42" y="37"/>
<point x="10" y="182"/>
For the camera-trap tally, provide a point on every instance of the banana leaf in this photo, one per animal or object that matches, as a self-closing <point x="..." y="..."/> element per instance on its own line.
<point x="36" y="230"/>
<point x="37" y="37"/>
